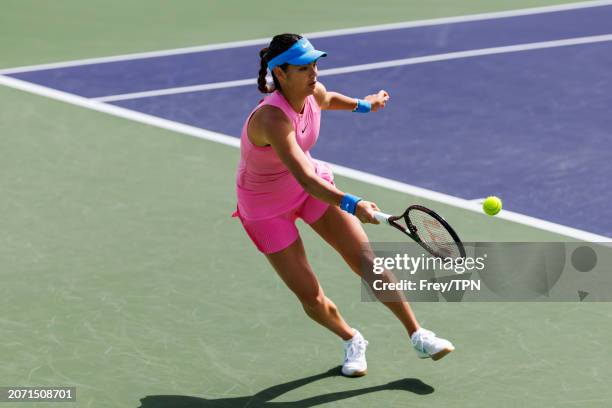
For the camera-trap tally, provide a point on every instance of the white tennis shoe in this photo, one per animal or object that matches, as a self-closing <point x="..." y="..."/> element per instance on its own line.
<point x="427" y="345"/>
<point x="354" y="356"/>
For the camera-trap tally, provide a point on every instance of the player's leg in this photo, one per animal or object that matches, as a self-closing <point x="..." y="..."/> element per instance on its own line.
<point x="293" y="268"/>
<point x="345" y="233"/>
<point x="278" y="239"/>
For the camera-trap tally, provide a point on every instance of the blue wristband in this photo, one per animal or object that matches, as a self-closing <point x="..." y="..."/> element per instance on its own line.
<point x="363" y="106"/>
<point x="349" y="203"/>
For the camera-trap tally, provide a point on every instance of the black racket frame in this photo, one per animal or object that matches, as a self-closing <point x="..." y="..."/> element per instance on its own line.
<point x="412" y="230"/>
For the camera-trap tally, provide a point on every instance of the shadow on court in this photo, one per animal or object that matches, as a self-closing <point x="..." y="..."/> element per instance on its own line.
<point x="262" y="398"/>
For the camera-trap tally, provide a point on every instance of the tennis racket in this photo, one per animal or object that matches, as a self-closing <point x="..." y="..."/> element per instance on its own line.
<point x="428" y="229"/>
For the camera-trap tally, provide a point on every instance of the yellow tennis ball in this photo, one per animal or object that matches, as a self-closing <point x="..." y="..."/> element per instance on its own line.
<point x="492" y="205"/>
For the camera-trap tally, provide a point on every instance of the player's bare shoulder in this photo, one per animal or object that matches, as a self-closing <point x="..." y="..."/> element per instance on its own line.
<point x="266" y="123"/>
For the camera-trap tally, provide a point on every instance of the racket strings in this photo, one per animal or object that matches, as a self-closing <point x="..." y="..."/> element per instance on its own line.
<point x="434" y="234"/>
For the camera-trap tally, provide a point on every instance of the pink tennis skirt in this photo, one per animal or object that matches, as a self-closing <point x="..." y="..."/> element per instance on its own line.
<point x="275" y="234"/>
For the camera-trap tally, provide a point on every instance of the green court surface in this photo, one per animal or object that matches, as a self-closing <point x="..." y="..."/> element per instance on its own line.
<point x="124" y="275"/>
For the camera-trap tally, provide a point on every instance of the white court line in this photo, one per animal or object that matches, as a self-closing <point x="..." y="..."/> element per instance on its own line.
<point x="340" y="170"/>
<point x="178" y="90"/>
<point x="118" y="111"/>
<point x="318" y="34"/>
<point x="371" y="66"/>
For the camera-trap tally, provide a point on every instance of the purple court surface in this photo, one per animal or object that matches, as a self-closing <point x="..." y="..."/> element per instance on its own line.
<point x="533" y="126"/>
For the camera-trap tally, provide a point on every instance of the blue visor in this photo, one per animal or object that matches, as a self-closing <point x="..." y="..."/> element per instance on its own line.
<point x="300" y="53"/>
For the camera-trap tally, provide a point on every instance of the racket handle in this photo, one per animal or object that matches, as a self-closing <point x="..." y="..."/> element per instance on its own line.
<point x="381" y="217"/>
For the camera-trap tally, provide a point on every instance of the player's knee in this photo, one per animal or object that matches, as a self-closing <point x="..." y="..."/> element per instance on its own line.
<point x="313" y="300"/>
<point x="362" y="261"/>
<point x="367" y="258"/>
<point x="368" y="267"/>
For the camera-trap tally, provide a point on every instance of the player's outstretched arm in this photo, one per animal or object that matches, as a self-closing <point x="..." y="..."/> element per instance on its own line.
<point x="271" y="126"/>
<point x="336" y="101"/>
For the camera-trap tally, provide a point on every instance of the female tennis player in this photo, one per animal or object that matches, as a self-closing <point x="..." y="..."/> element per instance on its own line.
<point x="278" y="181"/>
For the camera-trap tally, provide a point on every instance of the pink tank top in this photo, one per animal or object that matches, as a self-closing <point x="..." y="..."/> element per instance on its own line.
<point x="264" y="185"/>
